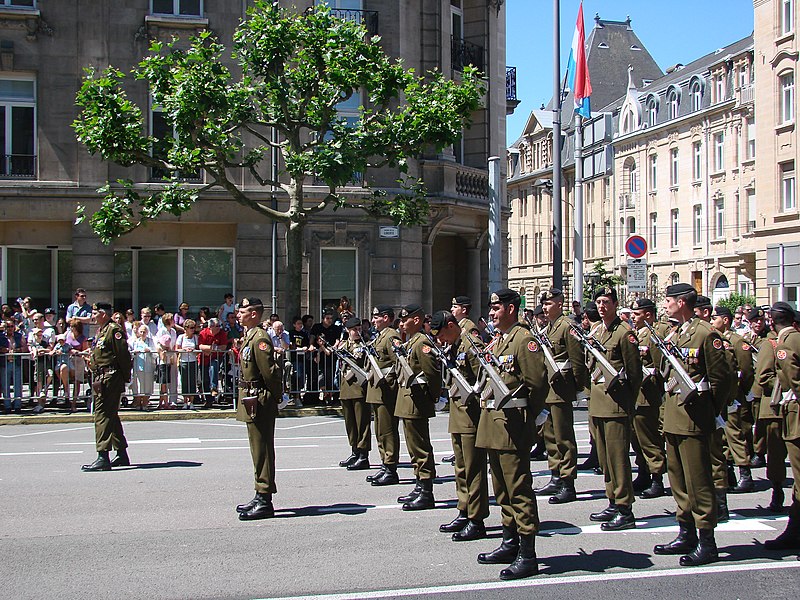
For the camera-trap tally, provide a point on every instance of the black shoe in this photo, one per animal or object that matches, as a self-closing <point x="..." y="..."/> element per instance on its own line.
<point x="241" y="508"/>
<point x="473" y="530"/>
<point x="412" y="494"/>
<point x="758" y="462"/>
<point x="566" y="493"/>
<point x="504" y="554"/>
<point x="723" y="516"/>
<point x="538" y="453"/>
<point x="262" y="509"/>
<point x="425" y="498"/>
<point x="354" y="456"/>
<point x="389" y="477"/>
<point x="121" y="460"/>
<point x="624" y="519"/>
<point x="605" y="515"/>
<point x="706" y="551"/>
<point x="525" y="564"/>
<point x="731" y="477"/>
<point x="656" y="489"/>
<point x="551" y="487"/>
<point x="456" y="524"/>
<point x="683" y="544"/>
<point x="374" y="476"/>
<point x="360" y="464"/>
<point x="642" y="482"/>
<point x="101" y="464"/>
<point x="450" y="459"/>
<point x="776" y="503"/>
<point x="745" y="484"/>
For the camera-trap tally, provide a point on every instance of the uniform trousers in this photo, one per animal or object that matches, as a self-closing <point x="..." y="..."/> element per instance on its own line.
<point x="739" y="433"/>
<point x="776" y="450"/>
<point x="418" y="442"/>
<point x="719" y="464"/>
<point x="387" y="433"/>
<point x="513" y="490"/>
<point x="261" y="434"/>
<point x="613" y="441"/>
<point x="559" y="437"/>
<point x="472" y="484"/>
<point x="108" y="431"/>
<point x="648" y="439"/>
<point x="689" y="470"/>
<point x="357" y="415"/>
<point x="793" y="448"/>
<point x="759" y="434"/>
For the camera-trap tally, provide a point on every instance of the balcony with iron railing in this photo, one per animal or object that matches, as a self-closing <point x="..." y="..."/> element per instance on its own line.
<point x="464" y="53"/>
<point x="18" y="166"/>
<point x="511" y="90"/>
<point x="367" y="18"/>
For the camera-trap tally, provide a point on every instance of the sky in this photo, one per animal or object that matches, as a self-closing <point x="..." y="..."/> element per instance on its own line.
<point x="674" y="31"/>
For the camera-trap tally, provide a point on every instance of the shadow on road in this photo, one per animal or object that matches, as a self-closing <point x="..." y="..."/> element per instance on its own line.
<point x="320" y="511"/>
<point x="596" y="562"/>
<point x="170" y="464"/>
<point x="752" y="551"/>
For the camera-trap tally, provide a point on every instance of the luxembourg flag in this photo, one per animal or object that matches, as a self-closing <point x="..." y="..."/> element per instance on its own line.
<point x="578" y="70"/>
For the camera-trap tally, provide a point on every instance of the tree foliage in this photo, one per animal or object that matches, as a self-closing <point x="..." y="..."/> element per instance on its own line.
<point x="599" y="277"/>
<point x="735" y="300"/>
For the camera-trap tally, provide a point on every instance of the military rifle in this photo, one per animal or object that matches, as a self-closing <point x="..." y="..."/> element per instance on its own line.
<point x="405" y="375"/>
<point x="547" y="349"/>
<point x="458" y="386"/>
<point x="613" y="378"/>
<point x="376" y="374"/>
<point x="347" y="358"/>
<point x="675" y="375"/>
<point x="495" y="391"/>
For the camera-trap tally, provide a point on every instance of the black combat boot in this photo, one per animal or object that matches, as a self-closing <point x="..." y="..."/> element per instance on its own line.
<point x="425" y="498"/>
<point x="456" y="524"/>
<point x="732" y="483"/>
<point x="706" y="551"/>
<point x="656" y="489"/>
<point x="776" y="503"/>
<point x="374" y="476"/>
<point x="565" y="494"/>
<point x="551" y="487"/>
<point x="389" y="476"/>
<point x="361" y="463"/>
<point x="241" y="508"/>
<point x="723" y="516"/>
<point x="450" y="459"/>
<point x="790" y="538"/>
<point x="525" y="565"/>
<point x="122" y="459"/>
<point x="100" y="464"/>
<point x="350" y="459"/>
<point x="412" y="494"/>
<point x="745" y="484"/>
<point x="624" y="519"/>
<point x="473" y="530"/>
<point x="642" y="481"/>
<point x="262" y="509"/>
<point x="683" y="544"/>
<point x="539" y="451"/>
<point x="504" y="554"/>
<point x="758" y="461"/>
<point x="604" y="515"/>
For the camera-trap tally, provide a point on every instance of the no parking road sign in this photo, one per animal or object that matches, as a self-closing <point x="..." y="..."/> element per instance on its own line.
<point x="636" y="246"/>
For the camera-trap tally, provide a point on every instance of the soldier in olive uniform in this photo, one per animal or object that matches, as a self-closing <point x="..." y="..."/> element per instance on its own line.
<point x="611" y="406"/>
<point x="460" y="308"/>
<point x="507" y="433"/>
<point x="571" y="379"/>
<point x="647" y="416"/>
<point x="756" y="336"/>
<point x="110" y="362"/>
<point x="382" y="394"/>
<point x="739" y="419"/>
<point x="689" y="422"/>
<point x="356" y="411"/>
<point x="417" y="394"/>
<point x="472" y="485"/>
<point x="787" y="360"/>
<point x="260" y="386"/>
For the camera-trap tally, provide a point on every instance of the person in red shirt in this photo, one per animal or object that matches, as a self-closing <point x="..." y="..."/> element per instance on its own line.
<point x="213" y="343"/>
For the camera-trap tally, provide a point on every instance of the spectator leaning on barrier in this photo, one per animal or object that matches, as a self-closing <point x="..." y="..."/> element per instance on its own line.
<point x="13" y="376"/>
<point x="232" y="328"/>
<point x="78" y="349"/>
<point x="186" y="346"/>
<point x="5" y="348"/>
<point x="167" y="362"/>
<point x="299" y="347"/>
<point x="181" y="316"/>
<point x="41" y="352"/>
<point x="143" y="352"/>
<point x="213" y="343"/>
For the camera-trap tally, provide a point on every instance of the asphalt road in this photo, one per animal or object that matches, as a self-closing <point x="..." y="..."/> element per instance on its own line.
<point x="166" y="526"/>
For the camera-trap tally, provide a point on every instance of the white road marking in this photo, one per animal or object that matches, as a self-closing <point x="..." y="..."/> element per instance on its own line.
<point x="132" y="442"/>
<point x="314" y="424"/>
<point x="18" y="435"/>
<point x="235" y="448"/>
<point x="547" y="581"/>
<point x="38" y="453"/>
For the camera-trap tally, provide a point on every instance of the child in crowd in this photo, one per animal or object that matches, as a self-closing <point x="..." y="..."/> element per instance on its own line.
<point x="143" y="349"/>
<point x="43" y="365"/>
<point x="187" y="345"/>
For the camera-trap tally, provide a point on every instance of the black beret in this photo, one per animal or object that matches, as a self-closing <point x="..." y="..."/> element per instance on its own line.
<point x="383" y="309"/>
<point x="440" y="319"/>
<point x="105" y="306"/>
<point x="551" y="294"/>
<point x="538" y="310"/>
<point x="504" y="296"/>
<point x="462" y="301"/>
<point x="755" y="313"/>
<point x="606" y="291"/>
<point x="644" y="304"/>
<point x="410" y="310"/>
<point x="352" y="322"/>
<point x="783" y="308"/>
<point x="703" y="302"/>
<point x="722" y="311"/>
<point x="678" y="289"/>
<point x="591" y="312"/>
<point x="251" y="302"/>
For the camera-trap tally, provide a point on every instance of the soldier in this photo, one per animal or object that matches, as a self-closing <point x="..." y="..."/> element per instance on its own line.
<point x="460" y="308"/>
<point x="110" y="362"/>
<point x="739" y="419"/>
<point x="417" y="395"/>
<point x="756" y="336"/>
<point x="472" y="486"/>
<point x="611" y="405"/>
<point x="382" y="394"/>
<point x="647" y="415"/>
<point x="571" y="379"/>
<point x="506" y="432"/>
<point x="689" y="422"/>
<point x="356" y="411"/>
<point x="260" y="386"/>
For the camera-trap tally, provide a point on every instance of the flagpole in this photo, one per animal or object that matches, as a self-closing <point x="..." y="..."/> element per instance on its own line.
<point x="558" y="276"/>
<point x="577" y="267"/>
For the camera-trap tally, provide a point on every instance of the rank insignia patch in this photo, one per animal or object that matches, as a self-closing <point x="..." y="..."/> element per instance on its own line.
<point x="717" y="344"/>
<point x="426" y="349"/>
<point x="533" y="346"/>
<point x="781" y="354"/>
<point x="262" y="346"/>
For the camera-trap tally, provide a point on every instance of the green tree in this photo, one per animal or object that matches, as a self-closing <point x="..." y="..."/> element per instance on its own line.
<point x="735" y="300"/>
<point x="598" y="277"/>
<point x="291" y="71"/>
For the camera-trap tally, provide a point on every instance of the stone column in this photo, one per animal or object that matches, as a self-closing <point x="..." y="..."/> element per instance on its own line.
<point x="427" y="277"/>
<point x="474" y="288"/>
<point x="92" y="265"/>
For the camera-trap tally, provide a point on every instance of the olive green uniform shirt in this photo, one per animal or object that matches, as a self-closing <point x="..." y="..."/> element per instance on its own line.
<point x="417" y="400"/>
<point x="622" y="351"/>
<point x="386" y="391"/>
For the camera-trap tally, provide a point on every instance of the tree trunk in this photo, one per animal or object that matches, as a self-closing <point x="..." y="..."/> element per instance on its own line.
<point x="294" y="252"/>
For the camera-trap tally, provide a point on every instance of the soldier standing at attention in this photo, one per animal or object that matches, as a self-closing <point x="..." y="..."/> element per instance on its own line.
<point x="647" y="416"/>
<point x="571" y="379"/>
<point x="689" y="422"/>
<point x="355" y="409"/>
<point x="416" y="397"/>
<point x="382" y="395"/>
<point x="472" y="487"/>
<point x="611" y="406"/>
<point x="756" y="336"/>
<point x="110" y="362"/>
<point x="787" y="360"/>
<point x="460" y="308"/>
<point x="507" y="433"/>
<point x="260" y="387"/>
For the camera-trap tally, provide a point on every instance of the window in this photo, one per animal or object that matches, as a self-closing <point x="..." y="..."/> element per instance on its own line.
<point x="30" y="272"/>
<point x="20" y="3"/>
<point x="786" y="111"/>
<point x="787" y="16"/>
<point x="673" y="228"/>
<point x="697" y="162"/>
<point x="607" y="238"/>
<point x="653" y="182"/>
<point x="652" y="112"/>
<point x="697" y="225"/>
<point x="744" y="79"/>
<point x="653" y="230"/>
<point x="338" y="275"/>
<point x="178" y="8"/>
<point x="696" y="96"/>
<point x="719" y="152"/>
<point x="751" y="210"/>
<point x="673" y="103"/>
<point x="750" y="149"/>
<point x="673" y="167"/>
<point x="788" y="197"/>
<point x="18" y="128"/>
<point x="164" y="135"/>
<point x="719" y="87"/>
<point x="719" y="218"/>
<point x="592" y="238"/>
<point x="631" y="225"/>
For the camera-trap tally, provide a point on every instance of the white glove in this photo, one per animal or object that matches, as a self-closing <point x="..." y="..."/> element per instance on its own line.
<point x="720" y="422"/>
<point x="542" y="417"/>
<point x="734" y="407"/>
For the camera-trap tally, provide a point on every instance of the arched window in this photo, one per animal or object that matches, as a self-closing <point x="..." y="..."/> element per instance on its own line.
<point x="696" y="95"/>
<point x="673" y="102"/>
<point x="652" y="287"/>
<point x="652" y="111"/>
<point x="674" y="278"/>
<point x="631" y="225"/>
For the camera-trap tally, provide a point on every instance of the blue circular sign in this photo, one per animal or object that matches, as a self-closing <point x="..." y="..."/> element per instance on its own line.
<point x="636" y="246"/>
